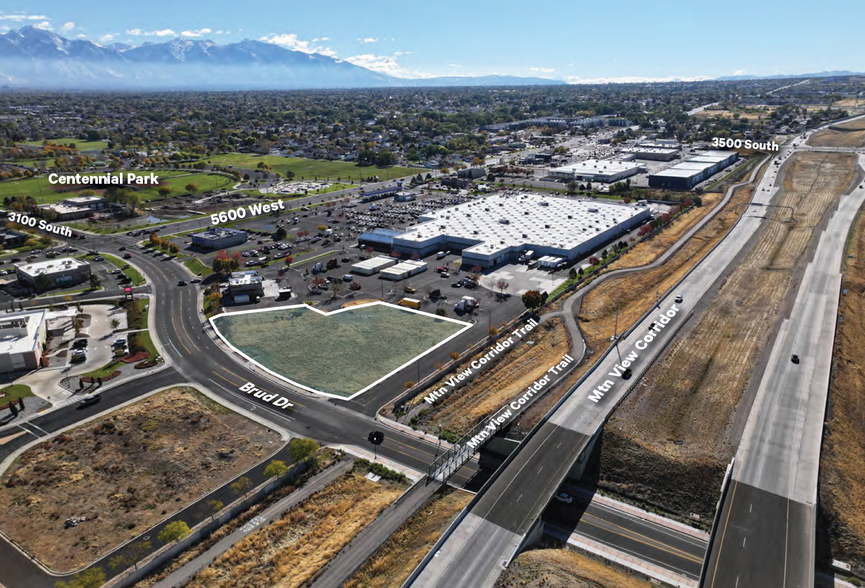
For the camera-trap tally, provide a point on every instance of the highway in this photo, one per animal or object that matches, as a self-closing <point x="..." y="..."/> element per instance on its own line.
<point x="493" y="529"/>
<point x="771" y="504"/>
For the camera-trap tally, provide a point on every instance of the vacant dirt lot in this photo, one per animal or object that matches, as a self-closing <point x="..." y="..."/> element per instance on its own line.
<point x="670" y="440"/>
<point x="288" y="552"/>
<point x="560" y="568"/>
<point x="842" y="478"/>
<point x="124" y="472"/>
<point x="461" y="409"/>
<point x="398" y="557"/>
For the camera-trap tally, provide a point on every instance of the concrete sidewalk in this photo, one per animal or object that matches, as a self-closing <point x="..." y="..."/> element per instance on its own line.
<point x="184" y="574"/>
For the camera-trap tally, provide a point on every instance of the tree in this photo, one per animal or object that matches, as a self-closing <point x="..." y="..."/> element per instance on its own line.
<point x="502" y="285"/>
<point x="89" y="578"/>
<point x="572" y="186"/>
<point x="221" y="263"/>
<point x="302" y="449"/>
<point x="281" y="233"/>
<point x="165" y="192"/>
<point x="594" y="261"/>
<point x="191" y="187"/>
<point x="115" y="323"/>
<point x="241" y="486"/>
<point x="215" y="506"/>
<point x="532" y="299"/>
<point x="275" y="469"/>
<point x="174" y="249"/>
<point x="572" y="274"/>
<point x="288" y="260"/>
<point x="94" y="282"/>
<point x="321" y="228"/>
<point x="174" y="531"/>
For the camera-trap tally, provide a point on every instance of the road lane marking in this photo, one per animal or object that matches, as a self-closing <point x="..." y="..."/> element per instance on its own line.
<point x="684" y="554"/>
<point x="656" y="545"/>
<point x="724" y="533"/>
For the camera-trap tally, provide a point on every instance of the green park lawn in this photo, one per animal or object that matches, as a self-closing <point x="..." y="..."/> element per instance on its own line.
<point x="14" y="392"/>
<point x="309" y="169"/>
<point x="80" y="145"/>
<point x="45" y="193"/>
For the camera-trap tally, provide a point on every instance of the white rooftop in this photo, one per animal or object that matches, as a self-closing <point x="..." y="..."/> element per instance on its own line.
<point x="19" y="331"/>
<point x="501" y="221"/>
<point x="83" y="200"/>
<point x="51" y="266"/>
<point x="597" y="166"/>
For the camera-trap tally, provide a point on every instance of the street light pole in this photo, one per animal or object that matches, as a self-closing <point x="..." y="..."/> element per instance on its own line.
<point x="616" y="334"/>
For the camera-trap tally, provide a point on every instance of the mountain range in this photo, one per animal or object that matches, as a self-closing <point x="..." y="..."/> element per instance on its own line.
<point x="38" y="59"/>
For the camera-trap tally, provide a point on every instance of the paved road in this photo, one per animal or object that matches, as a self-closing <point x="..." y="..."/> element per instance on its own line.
<point x="771" y="504"/>
<point x="494" y="528"/>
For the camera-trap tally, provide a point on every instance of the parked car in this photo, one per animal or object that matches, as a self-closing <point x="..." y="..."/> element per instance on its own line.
<point x="80" y="344"/>
<point x="114" y="271"/>
<point x="354" y="286"/>
<point x="195" y="281"/>
<point x="127" y="256"/>
<point x="98" y="258"/>
<point x="122" y="249"/>
<point x="445" y="275"/>
<point x="794" y="358"/>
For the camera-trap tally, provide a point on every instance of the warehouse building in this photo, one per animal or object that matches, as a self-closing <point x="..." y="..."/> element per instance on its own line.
<point x="219" y="238"/>
<point x="22" y="337"/>
<point x="597" y="170"/>
<point x="61" y="273"/>
<point x="368" y="267"/>
<point x="403" y="270"/>
<point x="689" y="173"/>
<point x="496" y="229"/>
<point x="651" y="153"/>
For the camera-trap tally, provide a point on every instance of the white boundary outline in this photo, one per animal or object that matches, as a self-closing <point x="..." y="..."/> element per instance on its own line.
<point x="358" y="306"/>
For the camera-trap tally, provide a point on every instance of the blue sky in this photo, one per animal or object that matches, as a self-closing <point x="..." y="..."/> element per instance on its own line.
<point x="576" y="41"/>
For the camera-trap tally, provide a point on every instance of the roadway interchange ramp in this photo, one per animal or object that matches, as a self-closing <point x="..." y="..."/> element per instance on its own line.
<point x="767" y="530"/>
<point x="482" y="542"/>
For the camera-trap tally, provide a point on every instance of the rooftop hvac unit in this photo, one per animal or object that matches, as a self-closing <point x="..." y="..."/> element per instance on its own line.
<point x="525" y="236"/>
<point x="546" y="226"/>
<point x="570" y="217"/>
<point x="544" y="203"/>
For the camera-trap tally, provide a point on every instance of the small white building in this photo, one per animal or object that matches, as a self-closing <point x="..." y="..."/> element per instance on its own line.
<point x="22" y="337"/>
<point x="597" y="170"/>
<point x="62" y="272"/>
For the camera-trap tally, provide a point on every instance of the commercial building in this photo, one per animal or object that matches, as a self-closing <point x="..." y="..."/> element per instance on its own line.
<point x="403" y="270"/>
<point x="368" y="267"/>
<point x="597" y="170"/>
<point x="61" y="273"/>
<point x="219" y="238"/>
<point x="471" y="173"/>
<point x="689" y="173"/>
<point x="651" y="153"/>
<point x="78" y="207"/>
<point x="22" y="337"/>
<point x="496" y="229"/>
<point x="247" y="282"/>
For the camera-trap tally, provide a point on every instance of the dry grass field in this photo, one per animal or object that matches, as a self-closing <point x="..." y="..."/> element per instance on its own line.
<point x="752" y="113"/>
<point x="124" y="472"/>
<point x="462" y="408"/>
<point x="673" y="433"/>
<point x="392" y="563"/>
<point x="560" y="568"/>
<point x="842" y="477"/>
<point x="848" y="134"/>
<point x="648" y="251"/>
<point x="288" y="552"/>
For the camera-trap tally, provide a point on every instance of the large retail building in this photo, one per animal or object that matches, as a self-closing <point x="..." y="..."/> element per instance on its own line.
<point x="497" y="229"/>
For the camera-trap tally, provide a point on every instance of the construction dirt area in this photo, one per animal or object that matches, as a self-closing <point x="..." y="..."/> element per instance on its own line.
<point x="290" y="551"/>
<point x="465" y="406"/>
<point x="842" y="477"/>
<point x="849" y="134"/>
<point x="123" y="473"/>
<point x="670" y="440"/>
<point x="392" y="563"/>
<point x="560" y="568"/>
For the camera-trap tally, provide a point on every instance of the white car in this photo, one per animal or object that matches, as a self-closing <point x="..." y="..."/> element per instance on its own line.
<point x="564" y="497"/>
